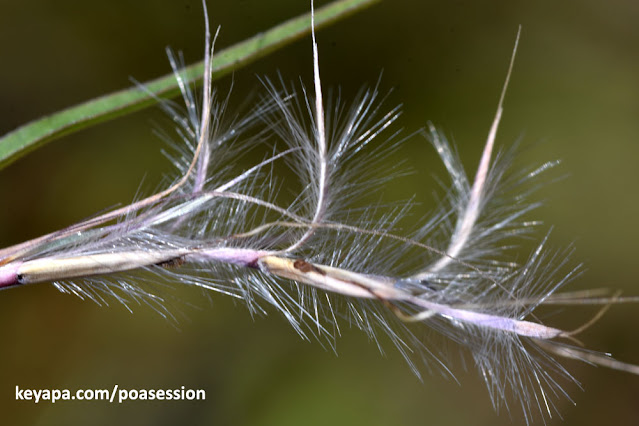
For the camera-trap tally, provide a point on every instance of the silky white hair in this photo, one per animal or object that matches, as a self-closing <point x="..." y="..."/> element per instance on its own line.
<point x="321" y="260"/>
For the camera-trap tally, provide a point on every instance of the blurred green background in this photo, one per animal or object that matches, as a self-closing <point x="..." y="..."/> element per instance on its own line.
<point x="574" y="96"/>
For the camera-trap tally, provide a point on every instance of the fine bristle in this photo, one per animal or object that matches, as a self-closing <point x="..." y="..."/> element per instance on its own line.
<point x="320" y="258"/>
